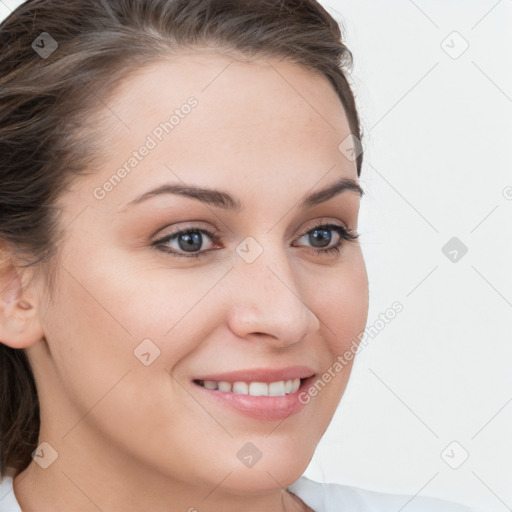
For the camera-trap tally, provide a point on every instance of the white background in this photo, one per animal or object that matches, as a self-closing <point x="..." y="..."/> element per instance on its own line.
<point x="437" y="136"/>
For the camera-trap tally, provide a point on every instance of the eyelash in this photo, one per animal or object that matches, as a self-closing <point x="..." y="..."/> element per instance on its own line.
<point x="344" y="234"/>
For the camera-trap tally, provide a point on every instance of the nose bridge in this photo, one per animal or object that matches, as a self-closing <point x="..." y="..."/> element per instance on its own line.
<point x="267" y="299"/>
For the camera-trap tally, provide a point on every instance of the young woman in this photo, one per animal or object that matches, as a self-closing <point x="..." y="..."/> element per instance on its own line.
<point x="180" y="272"/>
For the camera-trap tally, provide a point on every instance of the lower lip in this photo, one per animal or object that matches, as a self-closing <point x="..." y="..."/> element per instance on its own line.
<point x="266" y="408"/>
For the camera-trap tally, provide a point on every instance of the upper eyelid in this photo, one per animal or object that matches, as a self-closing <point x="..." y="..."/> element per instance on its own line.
<point x="197" y="226"/>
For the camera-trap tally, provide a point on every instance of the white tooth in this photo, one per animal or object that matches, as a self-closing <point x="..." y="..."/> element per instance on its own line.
<point x="241" y="388"/>
<point x="279" y="388"/>
<point x="224" y="386"/>
<point x="258" y="389"/>
<point x="276" y="388"/>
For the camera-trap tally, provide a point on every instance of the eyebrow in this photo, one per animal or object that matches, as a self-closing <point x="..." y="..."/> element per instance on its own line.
<point x="221" y="199"/>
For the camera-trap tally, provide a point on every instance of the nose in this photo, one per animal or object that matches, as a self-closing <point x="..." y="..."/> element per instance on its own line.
<point x="268" y="303"/>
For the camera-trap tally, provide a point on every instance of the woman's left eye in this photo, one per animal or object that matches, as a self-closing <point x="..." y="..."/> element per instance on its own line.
<point x="320" y="234"/>
<point x="190" y="240"/>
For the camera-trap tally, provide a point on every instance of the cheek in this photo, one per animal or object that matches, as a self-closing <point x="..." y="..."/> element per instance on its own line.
<point x="340" y="300"/>
<point x="105" y="385"/>
<point x="89" y="341"/>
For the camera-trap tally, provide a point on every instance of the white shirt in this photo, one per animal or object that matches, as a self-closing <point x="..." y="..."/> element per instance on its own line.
<point x="331" y="497"/>
<point x="320" y="497"/>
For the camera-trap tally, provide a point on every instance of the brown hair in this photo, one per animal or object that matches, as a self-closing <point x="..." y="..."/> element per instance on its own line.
<point x="57" y="58"/>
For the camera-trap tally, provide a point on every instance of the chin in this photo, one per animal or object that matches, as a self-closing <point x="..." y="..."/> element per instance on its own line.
<point x="274" y="470"/>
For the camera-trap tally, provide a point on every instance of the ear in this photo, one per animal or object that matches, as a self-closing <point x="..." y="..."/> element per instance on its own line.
<point x="19" y="322"/>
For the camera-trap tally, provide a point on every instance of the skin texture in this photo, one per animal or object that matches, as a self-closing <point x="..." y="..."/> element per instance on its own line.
<point x="133" y="437"/>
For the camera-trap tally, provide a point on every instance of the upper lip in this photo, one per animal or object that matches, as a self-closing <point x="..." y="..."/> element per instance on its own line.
<point x="261" y="375"/>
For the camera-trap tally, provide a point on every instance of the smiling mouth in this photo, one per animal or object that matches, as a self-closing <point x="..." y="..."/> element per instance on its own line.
<point x="253" y="388"/>
<point x="249" y="395"/>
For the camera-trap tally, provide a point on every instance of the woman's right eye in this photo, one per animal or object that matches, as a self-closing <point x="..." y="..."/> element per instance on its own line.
<point x="188" y="240"/>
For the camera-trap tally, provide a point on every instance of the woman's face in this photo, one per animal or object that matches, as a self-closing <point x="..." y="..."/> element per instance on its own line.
<point x="134" y="320"/>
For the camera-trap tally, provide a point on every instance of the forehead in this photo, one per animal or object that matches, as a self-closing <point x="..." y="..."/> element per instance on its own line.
<point x="255" y="121"/>
<point x="220" y="79"/>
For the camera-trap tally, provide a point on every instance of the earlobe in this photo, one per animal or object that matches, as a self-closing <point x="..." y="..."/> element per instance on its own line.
<point x="19" y="322"/>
